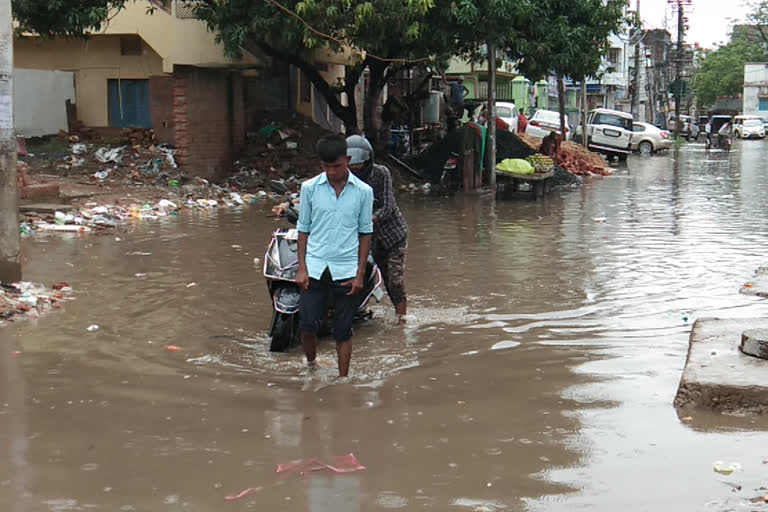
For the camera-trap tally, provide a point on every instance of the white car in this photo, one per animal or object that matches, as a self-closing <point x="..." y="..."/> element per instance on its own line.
<point x="750" y="128"/>
<point x="648" y="139"/>
<point x="608" y="132"/>
<point x="507" y="112"/>
<point x="543" y="122"/>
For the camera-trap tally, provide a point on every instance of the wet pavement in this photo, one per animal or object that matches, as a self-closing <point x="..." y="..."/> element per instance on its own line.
<point x="537" y="372"/>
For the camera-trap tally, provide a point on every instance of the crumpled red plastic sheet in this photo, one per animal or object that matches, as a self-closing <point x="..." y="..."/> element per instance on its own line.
<point x="338" y="464"/>
<point x="242" y="494"/>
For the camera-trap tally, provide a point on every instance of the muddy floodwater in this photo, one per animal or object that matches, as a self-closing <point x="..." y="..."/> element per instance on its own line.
<point x="537" y="371"/>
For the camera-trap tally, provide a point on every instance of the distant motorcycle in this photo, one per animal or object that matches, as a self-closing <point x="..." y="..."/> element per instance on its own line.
<point x="281" y="262"/>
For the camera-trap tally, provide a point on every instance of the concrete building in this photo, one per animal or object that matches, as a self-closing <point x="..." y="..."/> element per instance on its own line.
<point x="755" y="89"/>
<point x="166" y="71"/>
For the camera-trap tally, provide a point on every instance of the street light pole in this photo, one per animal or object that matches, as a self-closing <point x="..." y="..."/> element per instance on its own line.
<point x="636" y="76"/>
<point x="679" y="65"/>
<point x="492" y="115"/>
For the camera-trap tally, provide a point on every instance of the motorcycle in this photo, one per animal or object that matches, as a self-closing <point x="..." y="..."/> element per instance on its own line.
<point x="281" y="262"/>
<point x="450" y="179"/>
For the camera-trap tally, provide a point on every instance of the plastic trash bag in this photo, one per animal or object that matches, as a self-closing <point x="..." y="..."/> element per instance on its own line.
<point x="106" y="155"/>
<point x="515" y="166"/>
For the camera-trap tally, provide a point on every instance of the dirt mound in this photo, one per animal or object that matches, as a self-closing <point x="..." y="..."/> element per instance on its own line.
<point x="509" y="145"/>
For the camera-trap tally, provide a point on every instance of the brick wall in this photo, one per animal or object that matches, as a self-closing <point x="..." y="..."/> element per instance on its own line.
<point x="239" y="120"/>
<point x="161" y="107"/>
<point x="209" y="117"/>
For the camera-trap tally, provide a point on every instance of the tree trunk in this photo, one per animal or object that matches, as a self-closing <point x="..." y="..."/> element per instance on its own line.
<point x="347" y="113"/>
<point x="371" y="113"/>
<point x="10" y="240"/>
<point x="561" y="102"/>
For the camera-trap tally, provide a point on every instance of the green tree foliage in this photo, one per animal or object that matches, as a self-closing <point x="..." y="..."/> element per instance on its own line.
<point x="721" y="71"/>
<point x="570" y="39"/>
<point x="389" y="34"/>
<point x="52" y="18"/>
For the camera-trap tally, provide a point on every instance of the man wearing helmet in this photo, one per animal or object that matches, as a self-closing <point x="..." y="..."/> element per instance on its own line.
<point x="390" y="232"/>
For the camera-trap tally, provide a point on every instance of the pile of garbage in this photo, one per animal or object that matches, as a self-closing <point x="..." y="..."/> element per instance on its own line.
<point x="90" y="163"/>
<point x="30" y="300"/>
<point x="94" y="217"/>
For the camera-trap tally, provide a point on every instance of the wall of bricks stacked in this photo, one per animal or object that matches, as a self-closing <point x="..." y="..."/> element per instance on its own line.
<point x="209" y="118"/>
<point x="161" y="107"/>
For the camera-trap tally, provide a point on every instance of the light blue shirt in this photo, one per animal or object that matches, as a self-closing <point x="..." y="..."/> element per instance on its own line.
<point x="334" y="224"/>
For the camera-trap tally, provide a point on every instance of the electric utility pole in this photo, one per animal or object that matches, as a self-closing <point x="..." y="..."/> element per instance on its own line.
<point x="10" y="239"/>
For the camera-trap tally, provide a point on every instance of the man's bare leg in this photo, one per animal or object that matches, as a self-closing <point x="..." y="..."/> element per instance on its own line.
<point x="400" y="310"/>
<point x="344" y="353"/>
<point x="309" y="342"/>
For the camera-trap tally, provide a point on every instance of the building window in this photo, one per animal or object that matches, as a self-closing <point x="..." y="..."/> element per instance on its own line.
<point x="185" y="10"/>
<point x="130" y="45"/>
<point x="614" y="59"/>
<point x="762" y="104"/>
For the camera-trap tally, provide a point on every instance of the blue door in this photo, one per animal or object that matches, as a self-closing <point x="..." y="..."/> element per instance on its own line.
<point x="129" y="103"/>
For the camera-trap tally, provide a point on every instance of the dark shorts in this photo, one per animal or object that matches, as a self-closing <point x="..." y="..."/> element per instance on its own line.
<point x="312" y="306"/>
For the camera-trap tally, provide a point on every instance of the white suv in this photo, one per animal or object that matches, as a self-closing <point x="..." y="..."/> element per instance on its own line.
<point x="608" y="132"/>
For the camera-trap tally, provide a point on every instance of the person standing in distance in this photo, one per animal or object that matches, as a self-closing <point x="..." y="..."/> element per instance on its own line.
<point x="390" y="233"/>
<point x="335" y="228"/>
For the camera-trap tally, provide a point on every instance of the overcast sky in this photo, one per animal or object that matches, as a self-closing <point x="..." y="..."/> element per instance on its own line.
<point x="710" y="20"/>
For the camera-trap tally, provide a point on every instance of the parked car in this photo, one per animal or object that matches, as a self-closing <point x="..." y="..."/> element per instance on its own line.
<point x="688" y="128"/>
<point x="506" y="111"/>
<point x="608" y="132"/>
<point x="543" y="122"/>
<point x="765" y="123"/>
<point x="749" y="128"/>
<point x="648" y="139"/>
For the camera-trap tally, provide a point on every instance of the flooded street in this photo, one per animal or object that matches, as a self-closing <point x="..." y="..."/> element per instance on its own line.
<point x="544" y="347"/>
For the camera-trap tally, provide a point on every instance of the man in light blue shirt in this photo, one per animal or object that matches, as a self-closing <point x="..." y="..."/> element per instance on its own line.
<point x="335" y="226"/>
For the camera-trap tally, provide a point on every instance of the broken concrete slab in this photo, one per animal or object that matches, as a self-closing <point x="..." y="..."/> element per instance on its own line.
<point x="717" y="375"/>
<point x="754" y="342"/>
<point x="758" y="285"/>
<point x="45" y="208"/>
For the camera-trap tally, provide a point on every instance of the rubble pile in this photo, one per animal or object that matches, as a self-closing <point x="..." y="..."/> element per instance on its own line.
<point x="134" y="136"/>
<point x="532" y="142"/>
<point x="30" y="300"/>
<point x="577" y="159"/>
<point x="572" y="157"/>
<point x="283" y="147"/>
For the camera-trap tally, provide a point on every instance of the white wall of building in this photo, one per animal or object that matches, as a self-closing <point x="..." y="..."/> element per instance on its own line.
<point x="39" y="101"/>
<point x="755" y="88"/>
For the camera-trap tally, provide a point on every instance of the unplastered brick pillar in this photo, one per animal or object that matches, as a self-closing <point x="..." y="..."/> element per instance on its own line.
<point x="181" y="117"/>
